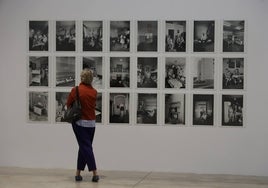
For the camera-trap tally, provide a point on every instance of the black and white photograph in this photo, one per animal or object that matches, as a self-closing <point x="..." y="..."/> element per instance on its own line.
<point x="175" y="38"/>
<point x="147" y="72"/>
<point x="119" y="107"/>
<point x="95" y="64"/>
<point x="38" y="106"/>
<point x="147" y="36"/>
<point x="65" y="71"/>
<point x="233" y="36"/>
<point x="60" y="105"/>
<point x="92" y="35"/>
<point x="38" y="71"/>
<point x="175" y="69"/>
<point x="65" y="36"/>
<point x="203" y="109"/>
<point x="98" y="108"/>
<point x="120" y="36"/>
<point x="147" y="108"/>
<point x="204" y="36"/>
<point x="232" y="110"/>
<point x="119" y="72"/>
<point x="175" y="109"/>
<point x="38" y="35"/>
<point x="233" y="73"/>
<point x="203" y="72"/>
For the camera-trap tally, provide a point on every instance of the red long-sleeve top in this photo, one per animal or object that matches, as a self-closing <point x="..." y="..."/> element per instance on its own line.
<point x="87" y="96"/>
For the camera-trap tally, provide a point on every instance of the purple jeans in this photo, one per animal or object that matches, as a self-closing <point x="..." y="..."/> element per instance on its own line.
<point x="84" y="136"/>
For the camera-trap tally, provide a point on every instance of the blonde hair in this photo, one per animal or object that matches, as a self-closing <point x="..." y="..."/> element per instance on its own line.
<point x="86" y="76"/>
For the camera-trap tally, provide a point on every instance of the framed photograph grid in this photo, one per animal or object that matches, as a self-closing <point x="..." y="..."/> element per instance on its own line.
<point x="147" y="72"/>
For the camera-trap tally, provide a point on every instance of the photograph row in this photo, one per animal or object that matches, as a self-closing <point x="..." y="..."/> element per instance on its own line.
<point x="144" y="109"/>
<point x="143" y="36"/>
<point x="142" y="72"/>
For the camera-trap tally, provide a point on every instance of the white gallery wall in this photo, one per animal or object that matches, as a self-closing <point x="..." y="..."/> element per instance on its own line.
<point x="194" y="149"/>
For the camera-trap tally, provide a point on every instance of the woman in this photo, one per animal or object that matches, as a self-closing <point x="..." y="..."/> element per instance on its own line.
<point x="84" y="128"/>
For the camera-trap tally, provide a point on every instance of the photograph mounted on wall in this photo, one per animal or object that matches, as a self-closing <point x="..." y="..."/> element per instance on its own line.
<point x="175" y="38"/>
<point x="147" y="36"/>
<point x="175" y="109"/>
<point x="233" y="73"/>
<point x="38" y="71"/>
<point x="98" y="108"/>
<point x="38" y="35"/>
<point x="119" y="72"/>
<point x="204" y="36"/>
<point x="65" y="36"/>
<point x="92" y="35"/>
<point x="175" y="72"/>
<point x="95" y="65"/>
<point x="203" y="73"/>
<point x="119" y="108"/>
<point x="65" y="71"/>
<point x="233" y="36"/>
<point x="120" y="36"/>
<point x="232" y="110"/>
<point x="203" y="109"/>
<point x="147" y="108"/>
<point x="60" y="104"/>
<point x="38" y="106"/>
<point x="147" y="72"/>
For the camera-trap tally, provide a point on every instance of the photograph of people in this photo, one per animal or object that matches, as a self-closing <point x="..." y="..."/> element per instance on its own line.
<point x="147" y="36"/>
<point x="119" y="36"/>
<point x="84" y="128"/>
<point x="119" y="71"/>
<point x="119" y="108"/>
<point x="65" y="71"/>
<point x="203" y="109"/>
<point x="175" y="76"/>
<point x="147" y="108"/>
<point x="92" y="35"/>
<point x="95" y="65"/>
<point x="38" y="71"/>
<point x="147" y="72"/>
<point x="61" y="99"/>
<point x="233" y="36"/>
<point x="232" y="110"/>
<point x="202" y="72"/>
<point x="65" y="36"/>
<point x="38" y="106"/>
<point x="233" y="73"/>
<point x="38" y="35"/>
<point x="204" y="36"/>
<point x="175" y="109"/>
<point x="175" y="36"/>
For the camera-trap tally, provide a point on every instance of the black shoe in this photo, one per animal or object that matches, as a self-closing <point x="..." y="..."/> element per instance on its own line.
<point x="95" y="178"/>
<point x="78" y="178"/>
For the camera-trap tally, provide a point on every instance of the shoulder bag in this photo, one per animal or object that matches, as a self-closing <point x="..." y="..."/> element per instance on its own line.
<point x="73" y="113"/>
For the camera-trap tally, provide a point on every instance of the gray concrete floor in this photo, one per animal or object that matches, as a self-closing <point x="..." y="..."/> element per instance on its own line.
<point x="11" y="177"/>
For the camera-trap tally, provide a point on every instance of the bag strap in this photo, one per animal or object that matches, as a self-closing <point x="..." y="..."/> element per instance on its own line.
<point x="77" y="94"/>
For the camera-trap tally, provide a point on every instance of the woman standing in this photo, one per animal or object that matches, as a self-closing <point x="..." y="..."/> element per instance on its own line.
<point x="84" y="129"/>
